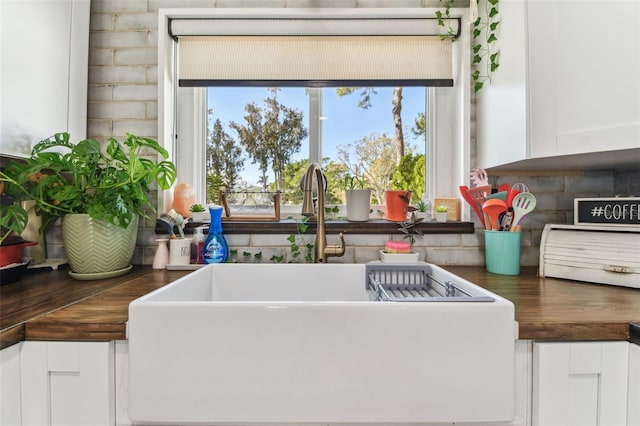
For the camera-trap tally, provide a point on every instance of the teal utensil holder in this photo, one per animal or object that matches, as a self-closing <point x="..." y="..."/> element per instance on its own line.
<point x="502" y="252"/>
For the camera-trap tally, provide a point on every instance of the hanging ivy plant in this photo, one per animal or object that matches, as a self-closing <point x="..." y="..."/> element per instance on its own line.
<point x="486" y="54"/>
<point x="444" y="20"/>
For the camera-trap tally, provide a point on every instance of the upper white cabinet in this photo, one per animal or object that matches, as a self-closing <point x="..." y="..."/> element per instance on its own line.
<point x="567" y="87"/>
<point x="43" y="71"/>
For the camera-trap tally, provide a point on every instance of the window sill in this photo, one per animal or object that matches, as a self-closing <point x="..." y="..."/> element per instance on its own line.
<point x="334" y="227"/>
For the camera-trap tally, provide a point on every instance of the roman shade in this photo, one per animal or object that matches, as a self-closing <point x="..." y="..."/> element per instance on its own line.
<point x="312" y="52"/>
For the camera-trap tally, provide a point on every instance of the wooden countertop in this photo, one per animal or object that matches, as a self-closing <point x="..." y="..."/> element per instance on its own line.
<point x="52" y="306"/>
<point x="555" y="309"/>
<point x="49" y="305"/>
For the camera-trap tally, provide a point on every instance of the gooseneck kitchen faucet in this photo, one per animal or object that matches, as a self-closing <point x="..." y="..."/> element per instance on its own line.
<point x="322" y="251"/>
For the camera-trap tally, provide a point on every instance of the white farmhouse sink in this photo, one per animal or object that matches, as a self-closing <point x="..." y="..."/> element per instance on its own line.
<point x="278" y="343"/>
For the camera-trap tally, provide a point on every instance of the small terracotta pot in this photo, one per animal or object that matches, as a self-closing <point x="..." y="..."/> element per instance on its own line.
<point x="397" y="205"/>
<point x="13" y="253"/>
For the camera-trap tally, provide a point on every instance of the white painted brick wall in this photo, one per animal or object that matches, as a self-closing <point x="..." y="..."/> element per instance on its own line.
<point x="147" y="128"/>
<point x="117" y="74"/>
<point x="136" y="22"/>
<point x="101" y="57"/>
<point x="118" y="6"/>
<point x="123" y="98"/>
<point x="130" y="92"/>
<point x="136" y="56"/>
<point x="117" y="110"/>
<point x="107" y="39"/>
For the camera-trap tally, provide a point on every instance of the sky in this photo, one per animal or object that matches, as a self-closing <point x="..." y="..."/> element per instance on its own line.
<point x="344" y="122"/>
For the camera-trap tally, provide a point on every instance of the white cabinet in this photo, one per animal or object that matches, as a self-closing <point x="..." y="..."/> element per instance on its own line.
<point x="567" y="83"/>
<point x="122" y="383"/>
<point x="67" y="383"/>
<point x="584" y="62"/>
<point x="43" y="71"/>
<point x="633" y="400"/>
<point x="581" y="384"/>
<point x="501" y="107"/>
<point x="10" y="412"/>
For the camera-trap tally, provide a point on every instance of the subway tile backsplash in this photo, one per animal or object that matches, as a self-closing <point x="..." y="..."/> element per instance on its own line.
<point x="555" y="196"/>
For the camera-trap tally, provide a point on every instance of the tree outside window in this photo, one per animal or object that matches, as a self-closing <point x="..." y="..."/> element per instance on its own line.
<point x="264" y="147"/>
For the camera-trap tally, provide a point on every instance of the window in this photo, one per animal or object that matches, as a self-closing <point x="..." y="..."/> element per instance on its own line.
<point x="262" y="139"/>
<point x="187" y="97"/>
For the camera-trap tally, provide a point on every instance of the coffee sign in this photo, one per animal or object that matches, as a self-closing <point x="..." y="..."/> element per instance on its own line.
<point x="607" y="211"/>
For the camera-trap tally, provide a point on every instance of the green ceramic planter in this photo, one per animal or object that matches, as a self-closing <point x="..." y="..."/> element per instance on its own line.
<point x="96" y="248"/>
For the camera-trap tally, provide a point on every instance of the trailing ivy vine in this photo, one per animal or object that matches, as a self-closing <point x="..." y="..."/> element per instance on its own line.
<point x="486" y="54"/>
<point x="485" y="25"/>
<point x="444" y="20"/>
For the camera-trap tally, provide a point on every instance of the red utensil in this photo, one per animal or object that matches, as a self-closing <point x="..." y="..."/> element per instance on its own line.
<point x="494" y="207"/>
<point x="464" y="191"/>
<point x="479" y="194"/>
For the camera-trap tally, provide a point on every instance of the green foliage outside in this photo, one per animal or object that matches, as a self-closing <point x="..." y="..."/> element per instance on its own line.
<point x="272" y="134"/>
<point x="214" y="182"/>
<point x="410" y="176"/>
<point x="224" y="160"/>
<point x="292" y="176"/>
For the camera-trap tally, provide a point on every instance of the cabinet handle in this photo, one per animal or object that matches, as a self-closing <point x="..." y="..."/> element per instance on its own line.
<point x="618" y="269"/>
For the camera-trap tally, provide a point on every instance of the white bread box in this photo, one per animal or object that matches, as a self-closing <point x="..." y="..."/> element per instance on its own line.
<point x="592" y="253"/>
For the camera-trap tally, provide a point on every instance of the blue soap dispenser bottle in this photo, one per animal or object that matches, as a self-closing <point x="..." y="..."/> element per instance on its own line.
<point x="215" y="248"/>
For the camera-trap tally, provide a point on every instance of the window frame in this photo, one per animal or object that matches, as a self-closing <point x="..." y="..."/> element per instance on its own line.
<point x="449" y="109"/>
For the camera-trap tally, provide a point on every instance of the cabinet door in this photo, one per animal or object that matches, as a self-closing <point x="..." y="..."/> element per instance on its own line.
<point x="633" y="413"/>
<point x="68" y="383"/>
<point x="501" y="107"/>
<point x="584" y="64"/>
<point x="122" y="383"/>
<point x="10" y="386"/>
<point x="43" y="71"/>
<point x="580" y="384"/>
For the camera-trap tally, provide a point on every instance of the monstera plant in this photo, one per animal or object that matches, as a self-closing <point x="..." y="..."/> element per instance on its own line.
<point x="105" y="187"/>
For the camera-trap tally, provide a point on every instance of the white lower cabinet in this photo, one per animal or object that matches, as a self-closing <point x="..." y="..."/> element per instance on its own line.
<point x="122" y="383"/>
<point x="633" y="400"/>
<point x="86" y="383"/>
<point x="67" y="383"/>
<point x="10" y="412"/>
<point x="580" y="383"/>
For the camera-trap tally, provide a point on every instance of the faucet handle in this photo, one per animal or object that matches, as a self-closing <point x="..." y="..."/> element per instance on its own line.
<point x="335" y="250"/>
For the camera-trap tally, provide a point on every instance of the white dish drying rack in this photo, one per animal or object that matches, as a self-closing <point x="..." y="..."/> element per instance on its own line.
<point x="414" y="283"/>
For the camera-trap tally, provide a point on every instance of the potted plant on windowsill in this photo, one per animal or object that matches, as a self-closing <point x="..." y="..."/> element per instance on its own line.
<point x="397" y="203"/>
<point x="422" y="208"/>
<point x="100" y="195"/>
<point x="198" y="213"/>
<point x="442" y="212"/>
<point x="357" y="197"/>
<point x="402" y="251"/>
